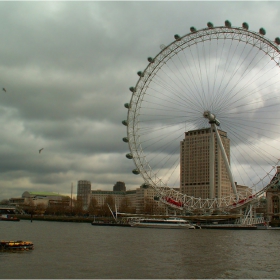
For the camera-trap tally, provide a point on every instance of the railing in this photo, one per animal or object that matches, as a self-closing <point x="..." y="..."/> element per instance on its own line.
<point x="250" y="221"/>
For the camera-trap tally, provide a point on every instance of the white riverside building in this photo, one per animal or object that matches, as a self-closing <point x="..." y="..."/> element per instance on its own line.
<point x="140" y="199"/>
<point x="44" y="198"/>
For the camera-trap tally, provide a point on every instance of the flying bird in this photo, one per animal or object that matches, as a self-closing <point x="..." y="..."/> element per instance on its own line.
<point x="4" y="89"/>
<point x="40" y="150"/>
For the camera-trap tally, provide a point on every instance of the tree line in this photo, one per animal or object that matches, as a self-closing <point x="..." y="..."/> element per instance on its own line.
<point x="75" y="207"/>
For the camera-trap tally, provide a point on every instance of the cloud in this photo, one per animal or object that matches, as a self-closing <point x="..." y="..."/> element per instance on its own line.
<point x="67" y="68"/>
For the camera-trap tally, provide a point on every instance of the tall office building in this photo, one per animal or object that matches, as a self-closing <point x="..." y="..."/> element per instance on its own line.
<point x="195" y="165"/>
<point x="84" y="192"/>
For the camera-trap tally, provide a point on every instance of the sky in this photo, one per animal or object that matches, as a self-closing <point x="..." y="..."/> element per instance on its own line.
<point x="67" y="68"/>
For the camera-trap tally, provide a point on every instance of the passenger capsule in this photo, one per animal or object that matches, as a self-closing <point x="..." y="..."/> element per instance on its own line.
<point x="210" y="24"/>
<point x="277" y="40"/>
<point x="126" y="105"/>
<point x="132" y="89"/>
<point x="177" y="37"/>
<point x="129" y="156"/>
<point x="125" y="139"/>
<point x="150" y="59"/>
<point x="217" y="122"/>
<point x="262" y="31"/>
<point x="124" y="123"/>
<point x="245" y="25"/>
<point x="135" y="171"/>
<point x="140" y="74"/>
<point x="192" y="29"/>
<point x="228" y="23"/>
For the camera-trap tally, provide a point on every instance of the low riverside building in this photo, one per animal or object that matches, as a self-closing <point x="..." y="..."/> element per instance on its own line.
<point x="16" y="200"/>
<point x="139" y="201"/>
<point x="146" y="201"/>
<point x="85" y="193"/>
<point x="45" y="198"/>
<point x="243" y="191"/>
<point x="143" y="199"/>
<point x="101" y="196"/>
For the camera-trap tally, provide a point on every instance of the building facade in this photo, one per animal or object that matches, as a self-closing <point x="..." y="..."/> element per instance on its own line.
<point x="44" y="198"/>
<point x="146" y="201"/>
<point x="84" y="192"/>
<point x="101" y="196"/>
<point x="195" y="165"/>
<point x="243" y="191"/>
<point x="143" y="199"/>
<point x="273" y="199"/>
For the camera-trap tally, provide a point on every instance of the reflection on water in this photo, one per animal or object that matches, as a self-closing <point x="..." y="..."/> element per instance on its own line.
<point x="74" y="250"/>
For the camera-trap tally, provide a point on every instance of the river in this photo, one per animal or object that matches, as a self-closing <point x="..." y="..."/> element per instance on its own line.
<point x="82" y="251"/>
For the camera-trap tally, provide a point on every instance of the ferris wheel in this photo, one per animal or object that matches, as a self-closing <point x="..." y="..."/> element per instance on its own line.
<point x="220" y="78"/>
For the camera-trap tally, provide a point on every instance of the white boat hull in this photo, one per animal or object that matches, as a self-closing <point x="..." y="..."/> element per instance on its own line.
<point x="175" y="223"/>
<point x="162" y="226"/>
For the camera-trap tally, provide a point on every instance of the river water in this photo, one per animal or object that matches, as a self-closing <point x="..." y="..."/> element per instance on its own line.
<point x="82" y="251"/>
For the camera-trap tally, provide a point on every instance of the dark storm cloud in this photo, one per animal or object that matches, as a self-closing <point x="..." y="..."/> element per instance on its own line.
<point x="67" y="68"/>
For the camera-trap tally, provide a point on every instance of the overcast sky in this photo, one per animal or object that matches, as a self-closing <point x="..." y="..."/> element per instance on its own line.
<point x="67" y="68"/>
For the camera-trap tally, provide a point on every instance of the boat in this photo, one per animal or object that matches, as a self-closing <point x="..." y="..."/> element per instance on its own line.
<point x="176" y="223"/>
<point x="16" y="245"/>
<point x="9" y="218"/>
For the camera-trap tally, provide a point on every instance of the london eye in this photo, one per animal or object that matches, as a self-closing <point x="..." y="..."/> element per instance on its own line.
<point x="221" y="80"/>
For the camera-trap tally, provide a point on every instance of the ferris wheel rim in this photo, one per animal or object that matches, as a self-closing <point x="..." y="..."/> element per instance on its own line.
<point x="255" y="39"/>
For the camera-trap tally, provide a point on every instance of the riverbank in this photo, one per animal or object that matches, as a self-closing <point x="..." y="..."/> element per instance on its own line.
<point x="102" y="221"/>
<point x="73" y="219"/>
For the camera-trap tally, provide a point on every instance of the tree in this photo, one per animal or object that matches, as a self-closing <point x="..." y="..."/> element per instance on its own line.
<point x="4" y="202"/>
<point x="104" y="209"/>
<point x="93" y="207"/>
<point x="149" y="206"/>
<point x="109" y="200"/>
<point x="126" y="206"/>
<point x="52" y="209"/>
<point x="78" y="206"/>
<point x="63" y="205"/>
<point x="40" y="208"/>
<point x="153" y="207"/>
